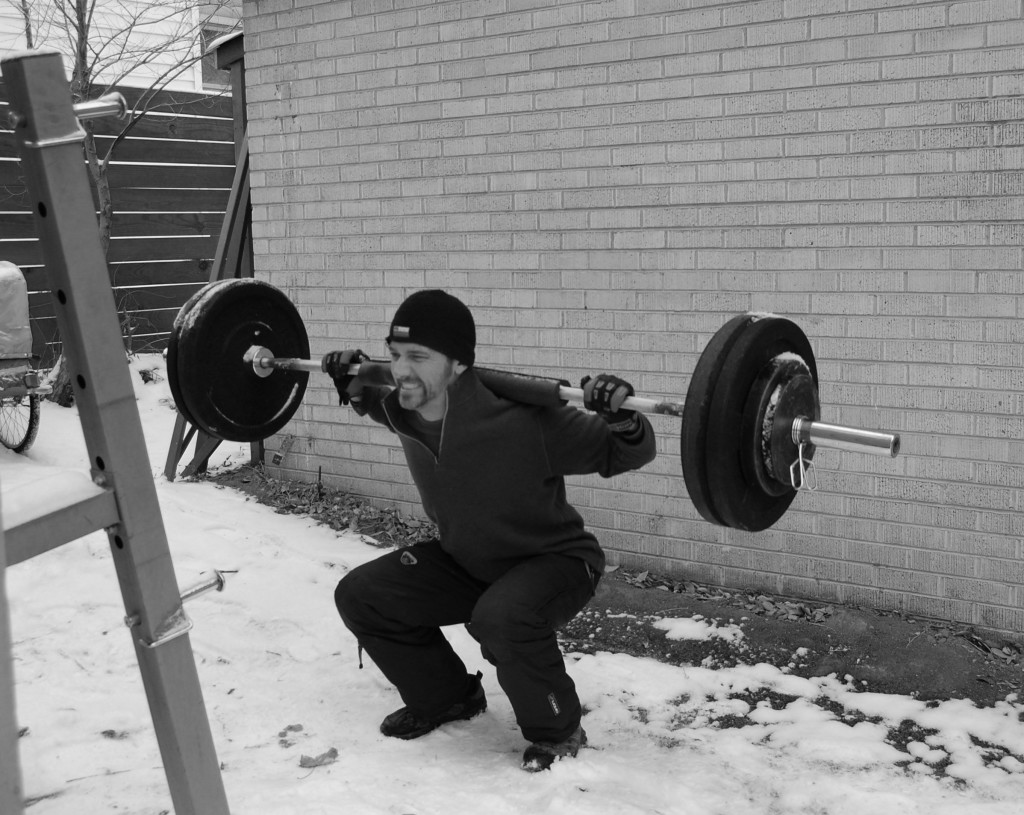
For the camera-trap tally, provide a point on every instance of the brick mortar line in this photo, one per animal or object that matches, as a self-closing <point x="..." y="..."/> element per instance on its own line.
<point x="631" y="15"/>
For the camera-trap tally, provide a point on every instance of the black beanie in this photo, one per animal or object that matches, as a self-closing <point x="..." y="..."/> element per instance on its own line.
<point x="437" y="320"/>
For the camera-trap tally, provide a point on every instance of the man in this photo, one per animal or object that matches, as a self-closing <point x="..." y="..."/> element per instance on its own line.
<point x="513" y="560"/>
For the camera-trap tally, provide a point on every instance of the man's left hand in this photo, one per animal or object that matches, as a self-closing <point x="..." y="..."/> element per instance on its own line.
<point x="604" y="394"/>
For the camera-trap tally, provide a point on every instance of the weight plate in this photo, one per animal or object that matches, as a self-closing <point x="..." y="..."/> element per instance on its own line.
<point x="741" y="502"/>
<point x="783" y="390"/>
<point x="172" y="356"/>
<point x="797" y="397"/>
<point x="696" y="414"/>
<point x="219" y="391"/>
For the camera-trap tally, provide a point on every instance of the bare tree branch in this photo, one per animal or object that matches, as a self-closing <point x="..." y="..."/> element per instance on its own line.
<point x="27" y="17"/>
<point x="105" y="42"/>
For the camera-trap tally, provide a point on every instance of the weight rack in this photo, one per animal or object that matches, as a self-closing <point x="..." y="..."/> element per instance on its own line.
<point x="120" y="496"/>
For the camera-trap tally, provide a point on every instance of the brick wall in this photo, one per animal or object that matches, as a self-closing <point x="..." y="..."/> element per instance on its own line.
<point x="606" y="183"/>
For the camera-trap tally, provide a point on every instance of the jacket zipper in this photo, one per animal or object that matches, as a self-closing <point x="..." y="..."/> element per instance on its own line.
<point x="440" y="443"/>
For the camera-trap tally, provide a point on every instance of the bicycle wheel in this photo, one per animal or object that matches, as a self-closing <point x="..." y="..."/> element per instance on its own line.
<point x="19" y="422"/>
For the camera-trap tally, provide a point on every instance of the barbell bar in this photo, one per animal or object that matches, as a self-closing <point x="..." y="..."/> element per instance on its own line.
<point x="804" y="430"/>
<point x="238" y="363"/>
<point x="111" y="104"/>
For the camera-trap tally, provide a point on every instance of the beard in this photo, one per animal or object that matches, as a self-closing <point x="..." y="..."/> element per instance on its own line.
<point x="421" y="393"/>
<point x="412" y="399"/>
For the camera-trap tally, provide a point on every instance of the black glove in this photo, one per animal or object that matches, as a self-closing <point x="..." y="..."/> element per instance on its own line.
<point x="604" y="394"/>
<point x="336" y="364"/>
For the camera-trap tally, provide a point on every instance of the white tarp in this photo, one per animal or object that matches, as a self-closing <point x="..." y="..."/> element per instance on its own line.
<point x="15" y="334"/>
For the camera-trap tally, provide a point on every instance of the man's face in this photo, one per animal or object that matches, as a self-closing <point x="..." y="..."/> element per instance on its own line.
<point x="422" y="376"/>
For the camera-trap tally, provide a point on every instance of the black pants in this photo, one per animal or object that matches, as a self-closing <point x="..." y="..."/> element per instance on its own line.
<point x="396" y="604"/>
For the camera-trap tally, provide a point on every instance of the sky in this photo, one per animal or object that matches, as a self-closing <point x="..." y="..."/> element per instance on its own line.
<point x="295" y="720"/>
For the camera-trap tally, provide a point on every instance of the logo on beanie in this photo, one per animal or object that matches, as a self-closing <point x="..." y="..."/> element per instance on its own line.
<point x="400" y="331"/>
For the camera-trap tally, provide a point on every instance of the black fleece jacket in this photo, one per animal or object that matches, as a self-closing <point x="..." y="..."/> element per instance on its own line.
<point x="496" y="489"/>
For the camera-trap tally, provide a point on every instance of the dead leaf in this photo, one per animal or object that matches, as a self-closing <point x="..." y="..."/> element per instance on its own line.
<point x="328" y="757"/>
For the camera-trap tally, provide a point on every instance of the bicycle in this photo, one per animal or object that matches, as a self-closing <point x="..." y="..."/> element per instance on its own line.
<point x="20" y="388"/>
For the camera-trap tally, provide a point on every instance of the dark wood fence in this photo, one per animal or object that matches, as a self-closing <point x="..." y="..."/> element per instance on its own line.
<point x="170" y="181"/>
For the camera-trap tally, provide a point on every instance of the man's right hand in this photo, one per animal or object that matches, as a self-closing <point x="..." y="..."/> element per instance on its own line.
<point x="336" y="365"/>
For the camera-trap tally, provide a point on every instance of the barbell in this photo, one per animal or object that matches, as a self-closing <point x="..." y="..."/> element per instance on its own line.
<point x="238" y="365"/>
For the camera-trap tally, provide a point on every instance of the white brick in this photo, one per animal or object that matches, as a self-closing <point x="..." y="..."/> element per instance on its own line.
<point x="609" y="182"/>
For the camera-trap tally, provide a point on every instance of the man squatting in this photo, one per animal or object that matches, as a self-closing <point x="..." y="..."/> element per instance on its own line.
<point x="512" y="560"/>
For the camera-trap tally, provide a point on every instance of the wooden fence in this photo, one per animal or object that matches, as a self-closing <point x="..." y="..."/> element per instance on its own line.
<point x="170" y="180"/>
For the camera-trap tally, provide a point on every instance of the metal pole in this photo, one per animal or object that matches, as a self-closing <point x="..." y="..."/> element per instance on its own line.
<point x="49" y="139"/>
<point x="214" y="583"/>
<point x="10" y="768"/>
<point x="113" y="104"/>
<point x="805" y="430"/>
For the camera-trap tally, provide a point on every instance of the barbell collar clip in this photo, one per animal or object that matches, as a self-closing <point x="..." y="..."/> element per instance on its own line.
<point x="802" y="475"/>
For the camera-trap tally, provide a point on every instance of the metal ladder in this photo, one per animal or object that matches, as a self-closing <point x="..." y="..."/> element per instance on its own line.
<point x="120" y="497"/>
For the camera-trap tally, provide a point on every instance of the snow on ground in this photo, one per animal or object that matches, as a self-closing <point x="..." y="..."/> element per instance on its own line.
<point x="282" y="684"/>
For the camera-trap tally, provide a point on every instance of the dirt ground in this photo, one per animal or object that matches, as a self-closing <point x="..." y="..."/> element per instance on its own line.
<point x="884" y="652"/>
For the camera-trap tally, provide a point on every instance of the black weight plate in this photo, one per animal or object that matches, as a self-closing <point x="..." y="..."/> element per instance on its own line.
<point x="172" y="355"/>
<point x="219" y="390"/>
<point x="798" y="397"/>
<point x="784" y="389"/>
<point x="696" y="413"/>
<point x="741" y="502"/>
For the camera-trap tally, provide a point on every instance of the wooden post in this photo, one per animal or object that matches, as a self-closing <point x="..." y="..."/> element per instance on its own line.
<point x="234" y="251"/>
